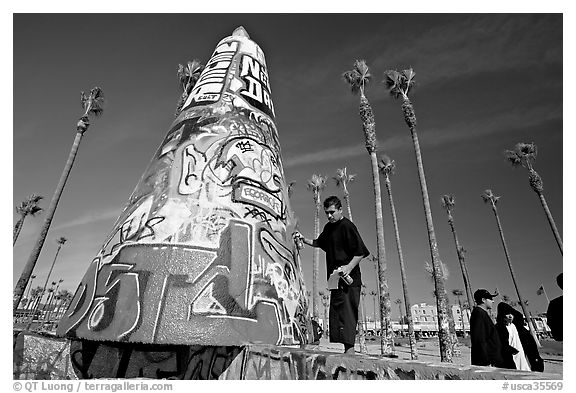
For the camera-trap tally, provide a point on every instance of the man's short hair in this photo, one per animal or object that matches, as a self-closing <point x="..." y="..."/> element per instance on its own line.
<point x="332" y="200"/>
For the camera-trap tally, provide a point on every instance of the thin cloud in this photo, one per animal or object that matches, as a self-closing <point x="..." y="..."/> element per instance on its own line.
<point x="529" y="117"/>
<point x="91" y="218"/>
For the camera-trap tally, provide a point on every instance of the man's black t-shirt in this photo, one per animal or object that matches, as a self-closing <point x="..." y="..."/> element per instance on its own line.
<point x="341" y="242"/>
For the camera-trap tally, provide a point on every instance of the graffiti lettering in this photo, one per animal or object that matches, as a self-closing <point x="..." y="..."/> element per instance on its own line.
<point x="257" y="90"/>
<point x="212" y="80"/>
<point x="246" y="193"/>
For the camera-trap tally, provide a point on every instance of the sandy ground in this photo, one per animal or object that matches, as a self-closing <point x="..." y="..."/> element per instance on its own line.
<point x="428" y="350"/>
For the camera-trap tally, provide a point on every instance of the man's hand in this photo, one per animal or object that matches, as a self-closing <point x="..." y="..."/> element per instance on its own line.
<point x="346" y="269"/>
<point x="296" y="235"/>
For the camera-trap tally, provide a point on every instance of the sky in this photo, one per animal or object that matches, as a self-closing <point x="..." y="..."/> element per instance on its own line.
<point x="484" y="83"/>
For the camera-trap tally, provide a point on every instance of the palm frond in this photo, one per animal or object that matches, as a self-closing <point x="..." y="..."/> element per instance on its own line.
<point x="409" y="81"/>
<point x="448" y="201"/>
<point x="386" y="165"/>
<point x="512" y="157"/>
<point x="316" y="182"/>
<point x="93" y="104"/>
<point x="358" y="77"/>
<point x="29" y="206"/>
<point x="444" y="272"/>
<point x="488" y="196"/>
<point x="457" y="292"/>
<point x="61" y="240"/>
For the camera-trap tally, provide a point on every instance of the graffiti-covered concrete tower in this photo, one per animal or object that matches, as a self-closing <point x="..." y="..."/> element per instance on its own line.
<point x="202" y="252"/>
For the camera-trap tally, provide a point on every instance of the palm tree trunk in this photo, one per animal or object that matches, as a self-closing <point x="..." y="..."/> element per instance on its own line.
<point x="347" y="200"/>
<point x="387" y="337"/>
<point x="407" y="304"/>
<point x="316" y="264"/>
<point x="463" y="267"/>
<point x="443" y="323"/>
<point x="47" y="278"/>
<point x="551" y="222"/>
<point x="29" y="288"/>
<point x="18" y="228"/>
<point x="524" y="310"/>
<point x="361" y="329"/>
<point x="29" y="267"/>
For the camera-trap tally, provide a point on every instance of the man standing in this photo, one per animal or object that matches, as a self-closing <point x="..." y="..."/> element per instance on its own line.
<point x="486" y="346"/>
<point x="554" y="312"/>
<point x="344" y="249"/>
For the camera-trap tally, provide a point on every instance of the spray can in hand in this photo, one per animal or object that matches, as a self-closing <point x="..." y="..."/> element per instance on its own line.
<point x="345" y="276"/>
<point x="297" y="237"/>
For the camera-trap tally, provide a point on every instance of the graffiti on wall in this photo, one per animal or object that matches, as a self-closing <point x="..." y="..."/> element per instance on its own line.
<point x="202" y="252"/>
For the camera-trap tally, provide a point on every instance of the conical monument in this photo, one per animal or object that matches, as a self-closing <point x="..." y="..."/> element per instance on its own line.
<point x="202" y="253"/>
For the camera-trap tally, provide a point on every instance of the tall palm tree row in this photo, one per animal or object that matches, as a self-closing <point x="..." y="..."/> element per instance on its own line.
<point x="399" y="85"/>
<point x="93" y="105"/>
<point x="34" y="297"/>
<point x="54" y="300"/>
<point x="489" y="197"/>
<point x="342" y="179"/>
<point x="28" y="207"/>
<point x="448" y="202"/>
<point x="316" y="184"/>
<point x="524" y="154"/>
<point x="60" y="241"/>
<point x="188" y="75"/>
<point x="65" y="298"/>
<point x="387" y="167"/>
<point x="459" y="293"/>
<point x="358" y="78"/>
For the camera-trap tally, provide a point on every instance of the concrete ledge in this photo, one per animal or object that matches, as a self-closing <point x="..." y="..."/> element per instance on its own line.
<point x="46" y="357"/>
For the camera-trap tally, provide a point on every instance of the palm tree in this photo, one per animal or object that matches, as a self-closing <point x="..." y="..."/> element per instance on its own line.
<point x="458" y="293"/>
<point x="444" y="274"/>
<point x="325" y="297"/>
<point x="35" y="296"/>
<point x="342" y="179"/>
<point x="46" y="310"/>
<point x="374" y="295"/>
<point x="32" y="277"/>
<point x="448" y="202"/>
<point x="54" y="297"/>
<point x="362" y="320"/>
<point x="28" y="207"/>
<point x="316" y="184"/>
<point x="357" y="78"/>
<point x="524" y="154"/>
<point x="399" y="303"/>
<point x="188" y="76"/>
<point x="387" y="167"/>
<point x="399" y="85"/>
<point x="93" y="106"/>
<point x="489" y="197"/>
<point x="60" y="241"/>
<point x="65" y="297"/>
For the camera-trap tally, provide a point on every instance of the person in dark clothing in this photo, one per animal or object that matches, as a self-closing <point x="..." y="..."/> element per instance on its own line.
<point x="519" y="349"/>
<point x="344" y="249"/>
<point x="486" y="346"/>
<point x="554" y="312"/>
